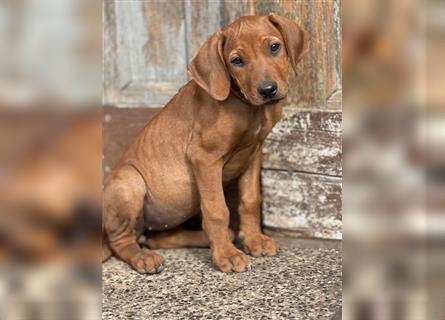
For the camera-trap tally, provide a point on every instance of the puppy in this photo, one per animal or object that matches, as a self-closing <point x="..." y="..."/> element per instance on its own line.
<point x="209" y="136"/>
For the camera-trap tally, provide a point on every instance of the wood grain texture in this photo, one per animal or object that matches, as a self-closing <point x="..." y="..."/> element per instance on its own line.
<point x="299" y="201"/>
<point x="203" y="18"/>
<point x="109" y="52"/>
<point x="307" y="141"/>
<point x="145" y="45"/>
<point x="148" y="45"/>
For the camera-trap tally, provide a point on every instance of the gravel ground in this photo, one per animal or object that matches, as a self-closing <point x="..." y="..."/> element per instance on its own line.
<point x="302" y="282"/>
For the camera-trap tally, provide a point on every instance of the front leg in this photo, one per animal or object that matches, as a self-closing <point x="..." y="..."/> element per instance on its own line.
<point x="255" y="242"/>
<point x="215" y="214"/>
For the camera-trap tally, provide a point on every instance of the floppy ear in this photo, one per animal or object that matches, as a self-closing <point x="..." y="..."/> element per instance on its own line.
<point x="208" y="68"/>
<point x="295" y="38"/>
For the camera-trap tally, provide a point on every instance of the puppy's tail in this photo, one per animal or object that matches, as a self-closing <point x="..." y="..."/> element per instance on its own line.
<point x="106" y="251"/>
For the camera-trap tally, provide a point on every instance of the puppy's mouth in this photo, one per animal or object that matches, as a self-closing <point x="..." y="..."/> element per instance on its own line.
<point x="260" y="101"/>
<point x="255" y="99"/>
<point x="274" y="99"/>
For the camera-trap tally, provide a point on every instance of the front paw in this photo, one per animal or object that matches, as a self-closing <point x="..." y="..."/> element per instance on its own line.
<point x="259" y="245"/>
<point x="147" y="261"/>
<point x="230" y="259"/>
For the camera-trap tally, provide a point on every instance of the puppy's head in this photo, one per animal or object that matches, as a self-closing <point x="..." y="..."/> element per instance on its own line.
<point x="250" y="56"/>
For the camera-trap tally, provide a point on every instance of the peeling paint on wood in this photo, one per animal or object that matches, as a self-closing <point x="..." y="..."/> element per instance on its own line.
<point x="109" y="52"/>
<point x="308" y="141"/>
<point x="232" y="10"/>
<point x="302" y="201"/>
<point x="144" y="43"/>
<point x="154" y="94"/>
<point x="155" y="40"/>
<point x="335" y="100"/>
<point x="203" y="18"/>
<point x="163" y="30"/>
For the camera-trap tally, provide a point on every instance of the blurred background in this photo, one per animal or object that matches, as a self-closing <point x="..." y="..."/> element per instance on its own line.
<point x="394" y="163"/>
<point x="50" y="163"/>
<point x="391" y="213"/>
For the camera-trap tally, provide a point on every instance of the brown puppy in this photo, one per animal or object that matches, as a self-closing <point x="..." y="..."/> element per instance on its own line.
<point x="209" y="135"/>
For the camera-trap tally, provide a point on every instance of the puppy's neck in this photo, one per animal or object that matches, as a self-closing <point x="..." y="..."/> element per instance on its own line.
<point x="236" y="91"/>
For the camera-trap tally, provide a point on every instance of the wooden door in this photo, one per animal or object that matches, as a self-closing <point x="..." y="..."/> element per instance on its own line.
<point x="148" y="45"/>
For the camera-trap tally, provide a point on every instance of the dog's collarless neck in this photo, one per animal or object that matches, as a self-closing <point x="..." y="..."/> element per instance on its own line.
<point x="237" y="93"/>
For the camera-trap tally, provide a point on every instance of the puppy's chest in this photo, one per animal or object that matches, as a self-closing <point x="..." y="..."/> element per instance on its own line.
<point x="243" y="152"/>
<point x="238" y="162"/>
<point x="256" y="133"/>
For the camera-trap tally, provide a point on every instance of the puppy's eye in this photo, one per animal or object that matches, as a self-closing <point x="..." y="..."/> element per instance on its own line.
<point x="237" y="61"/>
<point x="275" y="47"/>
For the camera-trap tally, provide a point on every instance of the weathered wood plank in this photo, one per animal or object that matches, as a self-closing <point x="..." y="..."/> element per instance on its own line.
<point x="335" y="100"/>
<point x="153" y="41"/>
<point x="301" y="201"/>
<point x="109" y="52"/>
<point x="305" y="140"/>
<point x="232" y="10"/>
<point x="145" y="45"/>
<point x="152" y="94"/>
<point x="203" y="18"/>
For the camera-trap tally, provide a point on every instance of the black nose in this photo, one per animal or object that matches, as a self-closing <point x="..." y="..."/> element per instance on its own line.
<point x="268" y="89"/>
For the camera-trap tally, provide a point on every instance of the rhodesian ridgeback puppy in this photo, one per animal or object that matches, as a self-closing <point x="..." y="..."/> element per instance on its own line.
<point x="208" y="136"/>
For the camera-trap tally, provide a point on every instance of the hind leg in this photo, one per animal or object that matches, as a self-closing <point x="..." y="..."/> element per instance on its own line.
<point x="180" y="238"/>
<point x="123" y="220"/>
<point x="106" y="251"/>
